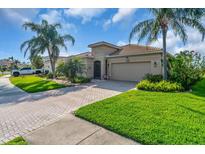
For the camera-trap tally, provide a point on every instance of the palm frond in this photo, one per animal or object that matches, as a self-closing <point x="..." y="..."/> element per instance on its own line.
<point x="140" y="27"/>
<point x="194" y="13"/>
<point x="179" y="30"/>
<point x="69" y="38"/>
<point x="57" y="25"/>
<point x="47" y="38"/>
<point x="194" y="23"/>
<point x="154" y="11"/>
<point x="32" y="26"/>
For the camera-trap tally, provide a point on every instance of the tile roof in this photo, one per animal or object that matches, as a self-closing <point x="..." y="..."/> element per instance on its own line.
<point x="84" y="54"/>
<point x="132" y="49"/>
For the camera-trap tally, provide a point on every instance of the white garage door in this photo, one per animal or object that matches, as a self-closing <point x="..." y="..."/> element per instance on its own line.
<point x="130" y="71"/>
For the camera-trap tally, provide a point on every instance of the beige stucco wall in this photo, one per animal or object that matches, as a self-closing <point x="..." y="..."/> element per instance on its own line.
<point x="99" y="53"/>
<point x="153" y="59"/>
<point x="88" y="70"/>
<point x="88" y="62"/>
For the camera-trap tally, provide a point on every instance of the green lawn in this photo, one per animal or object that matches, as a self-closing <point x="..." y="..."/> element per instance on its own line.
<point x="32" y="84"/>
<point x="17" y="141"/>
<point x="153" y="117"/>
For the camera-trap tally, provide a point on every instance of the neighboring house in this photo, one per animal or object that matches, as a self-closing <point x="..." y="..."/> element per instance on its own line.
<point x="47" y="64"/>
<point x="5" y="62"/>
<point x="126" y="63"/>
<point x="86" y="58"/>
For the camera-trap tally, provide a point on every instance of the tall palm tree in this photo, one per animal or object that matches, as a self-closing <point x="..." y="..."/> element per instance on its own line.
<point x="48" y="39"/>
<point x="166" y="19"/>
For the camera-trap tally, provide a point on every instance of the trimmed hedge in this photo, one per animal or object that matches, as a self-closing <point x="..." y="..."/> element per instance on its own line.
<point x="163" y="86"/>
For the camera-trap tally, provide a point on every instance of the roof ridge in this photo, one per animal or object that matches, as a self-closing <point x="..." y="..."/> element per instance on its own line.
<point x="104" y="43"/>
<point x="146" y="46"/>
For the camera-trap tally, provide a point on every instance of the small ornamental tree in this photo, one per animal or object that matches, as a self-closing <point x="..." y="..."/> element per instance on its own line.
<point x="72" y="68"/>
<point x="186" y="68"/>
<point x="37" y="61"/>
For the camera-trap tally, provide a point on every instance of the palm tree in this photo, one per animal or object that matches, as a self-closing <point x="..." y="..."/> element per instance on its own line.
<point x="72" y="68"/>
<point x="166" y="19"/>
<point x="47" y="39"/>
<point x="37" y="61"/>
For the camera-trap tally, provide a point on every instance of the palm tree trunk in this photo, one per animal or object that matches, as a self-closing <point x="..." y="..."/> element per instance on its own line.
<point x="53" y="70"/>
<point x="164" y="35"/>
<point x="52" y="63"/>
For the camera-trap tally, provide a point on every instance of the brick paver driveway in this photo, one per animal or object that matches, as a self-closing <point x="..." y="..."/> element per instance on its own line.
<point x="21" y="112"/>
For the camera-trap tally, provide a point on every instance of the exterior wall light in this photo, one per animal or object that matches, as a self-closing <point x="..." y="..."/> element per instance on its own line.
<point x="155" y="64"/>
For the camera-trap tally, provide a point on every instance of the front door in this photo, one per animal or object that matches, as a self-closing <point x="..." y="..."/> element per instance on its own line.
<point x="97" y="70"/>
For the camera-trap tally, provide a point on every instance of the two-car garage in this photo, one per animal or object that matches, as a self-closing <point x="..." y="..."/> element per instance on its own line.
<point x="134" y="71"/>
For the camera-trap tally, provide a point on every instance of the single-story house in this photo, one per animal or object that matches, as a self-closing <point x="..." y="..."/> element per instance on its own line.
<point x="126" y="63"/>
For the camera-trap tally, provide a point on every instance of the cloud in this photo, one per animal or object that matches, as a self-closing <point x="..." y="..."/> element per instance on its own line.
<point x="85" y="14"/>
<point x="172" y="41"/>
<point x="194" y="43"/>
<point x="175" y="44"/>
<point x="121" y="15"/>
<point x="121" y="43"/>
<point x="57" y="16"/>
<point x="106" y="24"/>
<point x="18" y="15"/>
<point x="52" y="16"/>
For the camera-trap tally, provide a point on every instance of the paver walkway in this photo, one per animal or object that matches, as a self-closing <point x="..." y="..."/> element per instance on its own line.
<point x="21" y="113"/>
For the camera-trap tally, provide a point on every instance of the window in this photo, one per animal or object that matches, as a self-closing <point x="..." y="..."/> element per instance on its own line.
<point x="26" y="68"/>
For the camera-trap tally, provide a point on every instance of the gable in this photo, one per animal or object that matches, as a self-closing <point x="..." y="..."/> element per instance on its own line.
<point x="102" y="50"/>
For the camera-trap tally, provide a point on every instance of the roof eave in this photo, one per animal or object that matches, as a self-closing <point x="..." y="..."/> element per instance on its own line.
<point x="139" y="54"/>
<point x="104" y="43"/>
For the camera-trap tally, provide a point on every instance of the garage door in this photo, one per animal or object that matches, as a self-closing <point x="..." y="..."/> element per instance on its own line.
<point x="130" y="71"/>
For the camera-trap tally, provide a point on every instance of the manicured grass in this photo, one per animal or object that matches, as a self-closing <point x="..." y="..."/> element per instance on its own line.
<point x="17" y="141"/>
<point x="32" y="84"/>
<point x="153" y="117"/>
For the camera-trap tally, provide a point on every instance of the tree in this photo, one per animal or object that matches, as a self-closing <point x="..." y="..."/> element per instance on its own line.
<point x="186" y="67"/>
<point x="72" y="68"/>
<point x="2" y="69"/>
<point x="48" y="39"/>
<point x="37" y="61"/>
<point x="60" y="68"/>
<point x="166" y="19"/>
<point x="14" y="63"/>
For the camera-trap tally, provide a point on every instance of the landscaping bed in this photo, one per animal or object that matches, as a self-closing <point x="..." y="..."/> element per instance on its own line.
<point x="153" y="117"/>
<point x="32" y="83"/>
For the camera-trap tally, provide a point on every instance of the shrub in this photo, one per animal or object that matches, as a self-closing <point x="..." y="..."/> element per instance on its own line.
<point x="164" y="86"/>
<point x="186" y="68"/>
<point x="37" y="61"/>
<point x="81" y="79"/>
<point x="153" y="77"/>
<point x="49" y="75"/>
<point x="60" y="69"/>
<point x="71" y="69"/>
